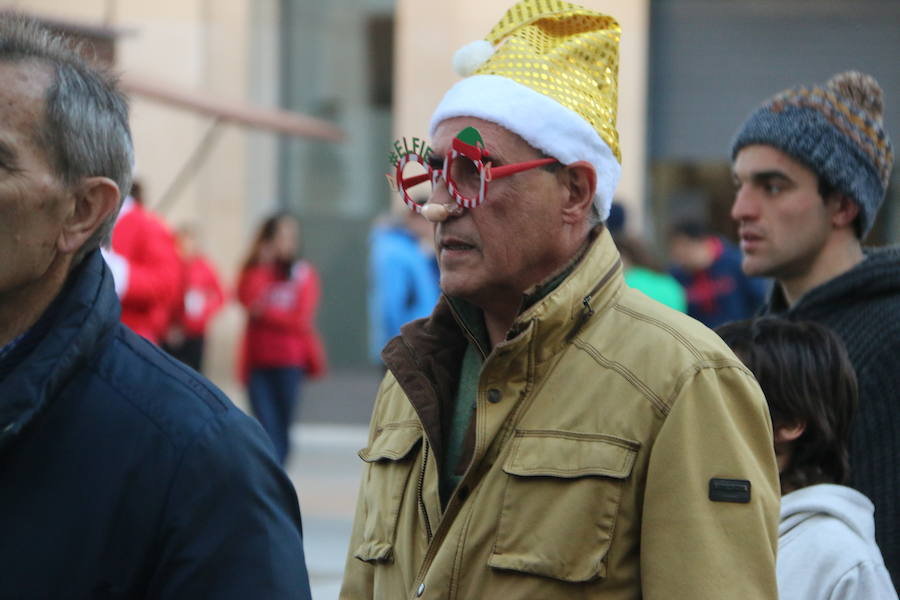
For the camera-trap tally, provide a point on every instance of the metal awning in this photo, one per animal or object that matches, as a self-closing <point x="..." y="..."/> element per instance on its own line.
<point x="273" y="119"/>
<point x="221" y="112"/>
<point x="101" y="38"/>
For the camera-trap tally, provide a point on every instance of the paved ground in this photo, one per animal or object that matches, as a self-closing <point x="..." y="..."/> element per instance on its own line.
<point x="325" y="469"/>
<point x="344" y="397"/>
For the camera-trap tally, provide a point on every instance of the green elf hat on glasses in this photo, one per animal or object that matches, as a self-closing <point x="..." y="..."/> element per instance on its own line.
<point x="547" y="72"/>
<point x="468" y="139"/>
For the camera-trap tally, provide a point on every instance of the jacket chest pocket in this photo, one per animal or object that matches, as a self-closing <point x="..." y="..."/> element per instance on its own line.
<point x="390" y="458"/>
<point x="561" y="503"/>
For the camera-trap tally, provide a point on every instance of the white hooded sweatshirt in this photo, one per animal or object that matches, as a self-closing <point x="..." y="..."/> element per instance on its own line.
<point x="826" y="547"/>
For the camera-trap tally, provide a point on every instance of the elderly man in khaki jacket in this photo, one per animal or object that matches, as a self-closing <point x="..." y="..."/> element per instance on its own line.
<point x="549" y="432"/>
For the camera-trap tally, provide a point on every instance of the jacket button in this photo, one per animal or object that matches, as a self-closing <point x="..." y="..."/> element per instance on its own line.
<point x="420" y="591"/>
<point x="494" y="395"/>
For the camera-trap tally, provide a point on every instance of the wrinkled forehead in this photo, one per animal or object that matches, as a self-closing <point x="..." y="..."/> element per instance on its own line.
<point x="23" y="92"/>
<point x="499" y="141"/>
<point x="25" y="82"/>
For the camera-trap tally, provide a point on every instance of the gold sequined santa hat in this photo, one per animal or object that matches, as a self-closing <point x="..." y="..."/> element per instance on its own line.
<point x="548" y="71"/>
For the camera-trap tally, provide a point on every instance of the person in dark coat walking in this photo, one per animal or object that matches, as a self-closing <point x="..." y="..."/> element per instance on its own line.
<point x="123" y="474"/>
<point x="811" y="167"/>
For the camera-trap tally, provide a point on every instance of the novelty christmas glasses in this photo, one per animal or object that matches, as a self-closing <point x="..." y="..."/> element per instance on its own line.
<point x="466" y="169"/>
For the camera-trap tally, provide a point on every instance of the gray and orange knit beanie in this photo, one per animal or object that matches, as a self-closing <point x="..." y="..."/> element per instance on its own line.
<point x="836" y="130"/>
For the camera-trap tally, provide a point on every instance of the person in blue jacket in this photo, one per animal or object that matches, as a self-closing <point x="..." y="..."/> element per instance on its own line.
<point x="123" y="474"/>
<point x="403" y="277"/>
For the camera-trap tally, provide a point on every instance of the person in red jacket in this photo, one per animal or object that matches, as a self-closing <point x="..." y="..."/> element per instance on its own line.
<point x="202" y="298"/>
<point x="146" y="268"/>
<point x="281" y="345"/>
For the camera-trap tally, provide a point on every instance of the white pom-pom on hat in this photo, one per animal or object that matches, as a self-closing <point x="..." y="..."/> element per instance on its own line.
<point x="471" y="56"/>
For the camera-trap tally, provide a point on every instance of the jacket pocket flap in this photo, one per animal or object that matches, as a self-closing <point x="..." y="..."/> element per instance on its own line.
<point x="394" y="442"/>
<point x="570" y="455"/>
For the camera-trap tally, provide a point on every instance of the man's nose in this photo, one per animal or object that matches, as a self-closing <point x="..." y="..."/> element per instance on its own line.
<point x="745" y="206"/>
<point x="441" y="205"/>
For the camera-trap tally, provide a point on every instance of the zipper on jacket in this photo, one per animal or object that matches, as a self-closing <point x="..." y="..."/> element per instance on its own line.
<point x="587" y="310"/>
<point x="467" y="332"/>
<point x="420" y="493"/>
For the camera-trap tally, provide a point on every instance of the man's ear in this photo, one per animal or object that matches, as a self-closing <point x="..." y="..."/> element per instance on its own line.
<point x="580" y="180"/>
<point x="96" y="198"/>
<point x="844" y="210"/>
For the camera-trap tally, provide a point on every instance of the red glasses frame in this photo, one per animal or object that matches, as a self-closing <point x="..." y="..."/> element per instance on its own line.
<point x="476" y="154"/>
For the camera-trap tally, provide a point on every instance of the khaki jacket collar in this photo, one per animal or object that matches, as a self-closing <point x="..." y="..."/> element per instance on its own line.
<point x="590" y="289"/>
<point x="425" y="358"/>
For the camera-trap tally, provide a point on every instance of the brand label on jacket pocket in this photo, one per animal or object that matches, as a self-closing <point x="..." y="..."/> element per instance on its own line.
<point x="729" y="490"/>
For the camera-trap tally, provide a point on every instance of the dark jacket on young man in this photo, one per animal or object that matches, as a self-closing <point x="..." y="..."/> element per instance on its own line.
<point x="124" y="474"/>
<point x="863" y="307"/>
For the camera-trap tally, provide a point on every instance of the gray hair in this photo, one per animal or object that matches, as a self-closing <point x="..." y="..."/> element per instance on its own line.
<point x="85" y="130"/>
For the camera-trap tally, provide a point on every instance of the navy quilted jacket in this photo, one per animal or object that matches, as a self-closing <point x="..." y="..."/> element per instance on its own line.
<point x="124" y="474"/>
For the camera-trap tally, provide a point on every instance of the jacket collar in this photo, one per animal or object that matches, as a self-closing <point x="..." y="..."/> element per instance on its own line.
<point x="590" y="289"/>
<point x="82" y="316"/>
<point x="471" y="319"/>
<point x="425" y="358"/>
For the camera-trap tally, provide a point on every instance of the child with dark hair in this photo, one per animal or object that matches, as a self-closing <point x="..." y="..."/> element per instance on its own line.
<point x="826" y="537"/>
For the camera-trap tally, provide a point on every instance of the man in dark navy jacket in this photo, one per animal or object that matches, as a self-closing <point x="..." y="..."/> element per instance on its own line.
<point x="122" y="473"/>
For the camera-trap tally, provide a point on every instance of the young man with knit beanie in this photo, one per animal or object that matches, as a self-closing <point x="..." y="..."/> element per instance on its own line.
<point x="548" y="432"/>
<point x="811" y="167"/>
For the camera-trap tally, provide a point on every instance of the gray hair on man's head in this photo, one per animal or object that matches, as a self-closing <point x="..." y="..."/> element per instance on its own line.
<point x="85" y="130"/>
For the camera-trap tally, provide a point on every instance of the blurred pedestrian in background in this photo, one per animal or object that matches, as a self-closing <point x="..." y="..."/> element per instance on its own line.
<point x="145" y="264"/>
<point x="643" y="271"/>
<point x="811" y="167"/>
<point x="201" y="298"/>
<point x="403" y="277"/>
<point x="709" y="268"/>
<point x="826" y="538"/>
<point x="281" y="345"/>
<point x="124" y="474"/>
